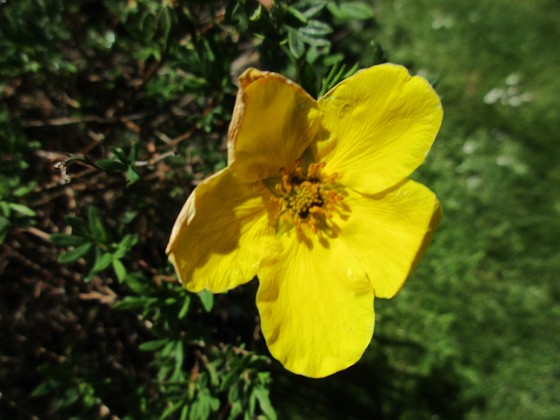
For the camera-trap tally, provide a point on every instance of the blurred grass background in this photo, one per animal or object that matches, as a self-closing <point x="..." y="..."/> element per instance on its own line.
<point x="111" y="113"/>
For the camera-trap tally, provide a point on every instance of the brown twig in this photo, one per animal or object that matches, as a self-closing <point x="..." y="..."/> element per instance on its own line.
<point x="85" y="119"/>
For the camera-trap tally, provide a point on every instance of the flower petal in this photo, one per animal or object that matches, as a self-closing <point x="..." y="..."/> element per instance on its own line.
<point x="221" y="234"/>
<point x="380" y="124"/>
<point x="316" y="307"/>
<point x="273" y="122"/>
<point x="389" y="232"/>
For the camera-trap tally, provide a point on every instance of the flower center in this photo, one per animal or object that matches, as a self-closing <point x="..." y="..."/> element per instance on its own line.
<point x="308" y="198"/>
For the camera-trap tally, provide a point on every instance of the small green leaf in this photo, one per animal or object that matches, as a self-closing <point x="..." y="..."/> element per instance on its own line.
<point x="129" y="216"/>
<point x="312" y="55"/>
<point x="207" y="299"/>
<point x="153" y="345"/>
<point x="61" y="239"/>
<point x="185" y="412"/>
<point x="4" y="228"/>
<point x="236" y="410"/>
<point x="23" y="210"/>
<point x="96" y="227"/>
<point x="102" y="263"/>
<point x="233" y="393"/>
<point x="119" y="269"/>
<point x="75" y="254"/>
<point x="23" y="190"/>
<point x="179" y="356"/>
<point x="111" y="165"/>
<point x="119" y="153"/>
<point x="172" y="409"/>
<point x="297" y="47"/>
<point x="125" y="245"/>
<point x="314" y="8"/>
<point x="185" y="308"/>
<point x="133" y="154"/>
<point x="264" y="401"/>
<point x="314" y="41"/>
<point x="131" y="175"/>
<point x="252" y="403"/>
<point x="67" y="398"/>
<point x="193" y="82"/>
<point x="5" y="208"/>
<point x="134" y="302"/>
<point x="293" y="16"/>
<point x="44" y="388"/>
<point x="138" y="283"/>
<point x="168" y="349"/>
<point x="316" y="29"/>
<point x="351" y="10"/>
<point x="214" y="377"/>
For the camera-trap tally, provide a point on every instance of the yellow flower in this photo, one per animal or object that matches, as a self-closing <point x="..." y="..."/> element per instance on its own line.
<point x="316" y="203"/>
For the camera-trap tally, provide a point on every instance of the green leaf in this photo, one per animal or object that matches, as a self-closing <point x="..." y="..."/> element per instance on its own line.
<point x="23" y="190"/>
<point x="138" y="283"/>
<point x="119" y="269"/>
<point x="131" y="175"/>
<point x="214" y="377"/>
<point x="68" y="397"/>
<point x="236" y="410"/>
<point x="233" y="393"/>
<point x="293" y="16"/>
<point x="75" y="254"/>
<point x="133" y="154"/>
<point x="314" y="41"/>
<point x="185" y="412"/>
<point x="207" y="299"/>
<point x="172" y="409"/>
<point x="193" y="82"/>
<point x="168" y="349"/>
<point x="125" y="245"/>
<point x="297" y="47"/>
<point x="61" y="239"/>
<point x="252" y="403"/>
<point x="337" y="73"/>
<point x="134" y="302"/>
<point x="21" y="209"/>
<point x="351" y="10"/>
<point x="5" y="208"/>
<point x="185" y="308"/>
<point x="316" y="29"/>
<point x="312" y="55"/>
<point x="129" y="216"/>
<point x="204" y="405"/>
<point x="264" y="401"/>
<point x="314" y="8"/>
<point x="111" y="165"/>
<point x="153" y="345"/>
<point x="166" y="22"/>
<point x="119" y="153"/>
<point x="102" y="263"/>
<point x="44" y="388"/>
<point x="4" y="228"/>
<point x="179" y="356"/>
<point x="96" y="227"/>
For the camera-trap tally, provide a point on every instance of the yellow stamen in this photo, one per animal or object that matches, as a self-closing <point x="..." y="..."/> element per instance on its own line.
<point x="308" y="199"/>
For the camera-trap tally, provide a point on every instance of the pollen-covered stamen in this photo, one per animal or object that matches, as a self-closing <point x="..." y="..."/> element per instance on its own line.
<point x="308" y="198"/>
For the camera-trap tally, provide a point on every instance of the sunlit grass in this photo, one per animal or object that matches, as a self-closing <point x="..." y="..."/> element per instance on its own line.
<point x="492" y="270"/>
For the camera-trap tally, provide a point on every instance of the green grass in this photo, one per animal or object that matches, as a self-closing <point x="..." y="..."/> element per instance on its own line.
<point x="493" y="269"/>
